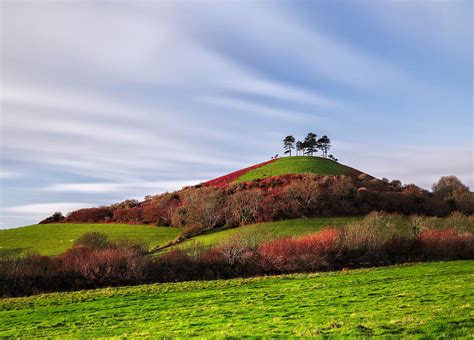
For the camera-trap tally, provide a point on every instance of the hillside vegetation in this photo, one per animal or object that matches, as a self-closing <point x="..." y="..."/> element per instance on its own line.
<point x="431" y="299"/>
<point x="52" y="239"/>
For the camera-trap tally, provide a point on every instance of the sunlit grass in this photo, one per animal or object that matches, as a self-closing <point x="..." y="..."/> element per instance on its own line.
<point x="52" y="239"/>
<point x="430" y="299"/>
<point x="296" y="165"/>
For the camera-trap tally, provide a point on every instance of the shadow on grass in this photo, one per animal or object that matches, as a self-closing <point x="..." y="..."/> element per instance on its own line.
<point x="12" y="252"/>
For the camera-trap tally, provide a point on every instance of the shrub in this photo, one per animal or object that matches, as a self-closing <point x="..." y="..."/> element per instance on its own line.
<point x="93" y="240"/>
<point x="203" y="208"/>
<point x="244" y="206"/>
<point x="364" y="241"/>
<point x="446" y="245"/>
<point x="313" y="252"/>
<point x="101" y="214"/>
<point x="54" y="218"/>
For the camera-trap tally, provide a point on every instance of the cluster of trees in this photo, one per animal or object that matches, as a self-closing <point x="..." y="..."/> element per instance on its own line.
<point x="309" y="146"/>
<point x="201" y="208"/>
<point x="379" y="239"/>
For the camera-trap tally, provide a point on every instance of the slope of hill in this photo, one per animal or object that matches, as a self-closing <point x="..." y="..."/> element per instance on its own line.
<point x="283" y="166"/>
<point x="270" y="230"/>
<point x="233" y="176"/>
<point x="52" y="239"/>
<point x="419" y="300"/>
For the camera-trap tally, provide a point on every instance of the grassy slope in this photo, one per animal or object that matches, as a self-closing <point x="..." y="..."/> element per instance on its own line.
<point x="272" y="230"/>
<point x="421" y="299"/>
<point x="297" y="165"/>
<point x="52" y="239"/>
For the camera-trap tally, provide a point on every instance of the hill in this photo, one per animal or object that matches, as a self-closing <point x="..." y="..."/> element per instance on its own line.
<point x="419" y="300"/>
<point x="52" y="239"/>
<point x="284" y="166"/>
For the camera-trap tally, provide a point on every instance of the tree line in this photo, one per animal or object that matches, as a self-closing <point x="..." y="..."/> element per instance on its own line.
<point x="309" y="146"/>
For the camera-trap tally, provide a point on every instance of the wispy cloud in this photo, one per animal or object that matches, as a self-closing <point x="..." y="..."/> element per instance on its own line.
<point x="33" y="213"/>
<point x="131" y="188"/>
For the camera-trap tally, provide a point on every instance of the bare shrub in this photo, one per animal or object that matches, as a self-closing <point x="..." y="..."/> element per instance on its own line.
<point x="460" y="222"/>
<point x="240" y="248"/>
<point x="203" y="209"/>
<point x="306" y="194"/>
<point x="245" y="205"/>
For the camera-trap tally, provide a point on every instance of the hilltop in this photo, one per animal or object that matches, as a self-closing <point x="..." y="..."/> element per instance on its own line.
<point x="286" y="166"/>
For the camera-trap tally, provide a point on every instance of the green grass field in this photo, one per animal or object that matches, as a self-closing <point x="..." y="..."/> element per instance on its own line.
<point x="52" y="239"/>
<point x="270" y="230"/>
<point x="418" y="300"/>
<point x="296" y="165"/>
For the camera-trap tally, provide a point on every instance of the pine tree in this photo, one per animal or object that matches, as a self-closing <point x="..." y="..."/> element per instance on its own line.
<point x="288" y="144"/>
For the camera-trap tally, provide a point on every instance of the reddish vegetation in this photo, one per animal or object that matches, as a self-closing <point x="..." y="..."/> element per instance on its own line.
<point x="229" y="178"/>
<point x="446" y="244"/>
<point x="202" y="208"/>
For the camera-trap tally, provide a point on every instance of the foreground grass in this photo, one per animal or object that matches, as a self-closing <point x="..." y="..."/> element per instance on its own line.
<point x="52" y="239"/>
<point x="295" y="227"/>
<point x="430" y="299"/>
<point x="296" y="165"/>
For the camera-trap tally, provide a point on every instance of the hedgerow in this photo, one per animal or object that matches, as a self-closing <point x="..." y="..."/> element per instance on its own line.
<point x="96" y="262"/>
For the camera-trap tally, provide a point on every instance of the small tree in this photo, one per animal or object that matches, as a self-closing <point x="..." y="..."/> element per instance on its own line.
<point x="333" y="158"/>
<point x="288" y="144"/>
<point x="447" y="186"/>
<point x="454" y="192"/>
<point x="310" y="144"/>
<point x="324" y="143"/>
<point x="299" y="147"/>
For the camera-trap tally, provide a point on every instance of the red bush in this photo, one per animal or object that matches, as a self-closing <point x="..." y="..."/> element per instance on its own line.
<point x="312" y="252"/>
<point x="102" y="214"/>
<point x="113" y="264"/>
<point x="447" y="244"/>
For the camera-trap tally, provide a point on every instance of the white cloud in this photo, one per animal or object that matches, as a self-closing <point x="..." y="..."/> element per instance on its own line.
<point x="252" y="108"/>
<point x="131" y="188"/>
<point x="32" y="213"/>
<point x="7" y="174"/>
<point x="46" y="208"/>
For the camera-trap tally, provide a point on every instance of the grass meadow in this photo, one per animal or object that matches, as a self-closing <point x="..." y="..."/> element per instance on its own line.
<point x="53" y="239"/>
<point x="423" y="300"/>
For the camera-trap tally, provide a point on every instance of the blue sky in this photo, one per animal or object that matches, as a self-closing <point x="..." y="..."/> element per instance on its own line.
<point x="104" y="101"/>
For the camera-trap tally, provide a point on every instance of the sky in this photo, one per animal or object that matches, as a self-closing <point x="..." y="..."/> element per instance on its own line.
<point x="105" y="101"/>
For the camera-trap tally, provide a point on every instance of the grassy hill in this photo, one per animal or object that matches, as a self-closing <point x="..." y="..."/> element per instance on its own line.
<point x="420" y="300"/>
<point x="297" y="165"/>
<point x="52" y="239"/>
<point x="286" y="165"/>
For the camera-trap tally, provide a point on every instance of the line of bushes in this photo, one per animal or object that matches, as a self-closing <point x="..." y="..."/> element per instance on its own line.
<point x="201" y="208"/>
<point x="94" y="261"/>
